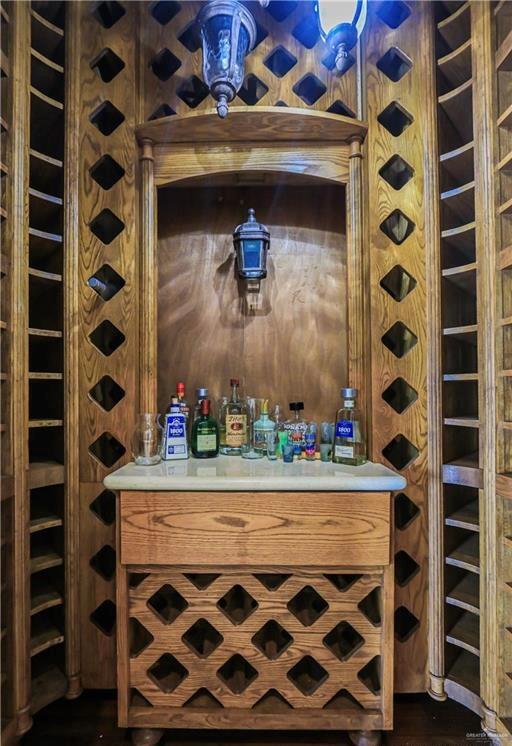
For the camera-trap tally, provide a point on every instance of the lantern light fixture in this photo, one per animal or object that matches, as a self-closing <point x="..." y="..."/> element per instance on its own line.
<point x="341" y="23"/>
<point x="252" y="242"/>
<point x="228" y="33"/>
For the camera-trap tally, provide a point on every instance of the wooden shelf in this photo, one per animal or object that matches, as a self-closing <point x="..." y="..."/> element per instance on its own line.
<point x="460" y="202"/>
<point x="457" y="101"/>
<point x="463" y="276"/>
<point x="505" y="208"/>
<point x="462" y="422"/>
<point x="47" y="61"/>
<point x="505" y="425"/>
<point x="464" y="471"/>
<point x="53" y="333"/>
<point x="466" y="555"/>
<point x="44" y="597"/>
<point x="41" y="523"/>
<point x="460" y="331"/>
<point x="456" y="66"/>
<point x="505" y="165"/>
<point x="45" y="474"/>
<point x="4" y="64"/>
<point x="507" y="321"/>
<point x="456" y="29"/>
<point x="461" y="238"/>
<point x="48" y="159"/>
<point x="55" y="237"/>
<point x="47" y="38"/>
<point x="505" y="258"/>
<point x="465" y="594"/>
<point x="47" y="686"/>
<point x="460" y="377"/>
<point x="505" y="119"/>
<point x="51" y="198"/>
<point x="465" y="517"/>
<point x="459" y="163"/>
<point x="254" y="124"/>
<point x="504" y="54"/>
<point x="465" y="633"/>
<point x="45" y="376"/>
<point x="43" y="558"/>
<point x="45" y="635"/>
<point x="42" y="275"/>
<point x="504" y="485"/>
<point x="47" y="99"/>
<point x="45" y="423"/>
<point x="463" y="681"/>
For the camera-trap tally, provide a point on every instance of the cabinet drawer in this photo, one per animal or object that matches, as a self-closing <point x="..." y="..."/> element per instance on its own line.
<point x="255" y="528"/>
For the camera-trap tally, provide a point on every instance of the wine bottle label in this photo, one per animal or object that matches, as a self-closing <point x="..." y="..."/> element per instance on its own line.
<point x="236" y="429"/>
<point x="344" y="429"/>
<point x="207" y="442"/>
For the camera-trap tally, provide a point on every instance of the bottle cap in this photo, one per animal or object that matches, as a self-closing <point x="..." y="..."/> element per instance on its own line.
<point x="174" y="401"/>
<point x="264" y="406"/>
<point x="180" y="388"/>
<point x="348" y="393"/>
<point x="201" y="393"/>
<point x="234" y="382"/>
<point x="205" y="406"/>
<point x="296" y="406"/>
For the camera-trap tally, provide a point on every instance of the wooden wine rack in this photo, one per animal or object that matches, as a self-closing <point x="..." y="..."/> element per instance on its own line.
<point x="460" y="406"/>
<point x="8" y="724"/>
<point x="502" y="18"/>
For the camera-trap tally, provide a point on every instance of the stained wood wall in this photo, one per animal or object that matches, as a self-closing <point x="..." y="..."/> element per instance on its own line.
<point x="288" y="340"/>
<point x="396" y="41"/>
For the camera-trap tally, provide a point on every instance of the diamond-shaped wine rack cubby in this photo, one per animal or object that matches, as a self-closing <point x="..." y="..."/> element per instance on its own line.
<point x="263" y="643"/>
<point x="396" y="35"/>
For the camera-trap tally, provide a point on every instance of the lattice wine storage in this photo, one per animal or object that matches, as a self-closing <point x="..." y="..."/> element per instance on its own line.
<point x="45" y="354"/>
<point x="301" y="635"/>
<point x="502" y="16"/>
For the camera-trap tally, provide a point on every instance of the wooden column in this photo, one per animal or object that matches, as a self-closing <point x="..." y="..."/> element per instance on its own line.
<point x="483" y="73"/>
<point x="148" y="283"/>
<point x="71" y="348"/>
<point x="20" y="67"/>
<point x="436" y="631"/>
<point x="357" y="280"/>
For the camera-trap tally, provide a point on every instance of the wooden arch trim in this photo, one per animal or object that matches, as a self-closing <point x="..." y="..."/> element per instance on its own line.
<point x="303" y="143"/>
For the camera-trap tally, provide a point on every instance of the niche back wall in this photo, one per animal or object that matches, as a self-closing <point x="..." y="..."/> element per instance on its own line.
<point x="287" y="340"/>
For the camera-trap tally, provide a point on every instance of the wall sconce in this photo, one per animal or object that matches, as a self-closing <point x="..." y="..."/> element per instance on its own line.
<point x="252" y="242"/>
<point x="228" y="33"/>
<point x="341" y="23"/>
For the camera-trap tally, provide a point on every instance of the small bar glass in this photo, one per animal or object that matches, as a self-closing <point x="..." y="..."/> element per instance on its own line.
<point x="272" y="442"/>
<point x="287" y="449"/>
<point x="147" y="440"/>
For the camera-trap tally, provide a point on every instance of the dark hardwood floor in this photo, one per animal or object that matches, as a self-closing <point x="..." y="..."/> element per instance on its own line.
<point x="91" y="721"/>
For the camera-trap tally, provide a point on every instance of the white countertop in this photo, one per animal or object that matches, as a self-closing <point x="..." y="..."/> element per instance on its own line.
<point x="235" y="474"/>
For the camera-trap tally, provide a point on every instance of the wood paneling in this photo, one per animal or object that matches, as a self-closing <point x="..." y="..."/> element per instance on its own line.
<point x="211" y="327"/>
<point x="121" y="311"/>
<point x="412" y="39"/>
<point x="171" y="529"/>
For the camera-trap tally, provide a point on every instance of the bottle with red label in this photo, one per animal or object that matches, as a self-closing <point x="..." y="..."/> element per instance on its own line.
<point x="233" y="423"/>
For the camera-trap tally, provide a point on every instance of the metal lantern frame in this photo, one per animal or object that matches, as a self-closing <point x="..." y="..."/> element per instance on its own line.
<point x="243" y="235"/>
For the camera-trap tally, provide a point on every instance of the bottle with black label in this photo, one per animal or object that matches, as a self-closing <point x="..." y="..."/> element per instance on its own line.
<point x="349" y="443"/>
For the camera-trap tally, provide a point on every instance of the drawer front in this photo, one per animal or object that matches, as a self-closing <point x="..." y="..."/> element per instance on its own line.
<point x="255" y="528"/>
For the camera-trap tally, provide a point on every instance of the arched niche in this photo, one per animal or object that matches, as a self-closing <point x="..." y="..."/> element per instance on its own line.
<point x="265" y="147"/>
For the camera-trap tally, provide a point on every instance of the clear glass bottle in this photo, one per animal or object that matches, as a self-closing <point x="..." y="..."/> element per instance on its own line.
<point x="147" y="440"/>
<point x="262" y="427"/>
<point x="201" y="394"/>
<point x="205" y="433"/>
<point x="349" y="441"/>
<point x="296" y="427"/>
<point x="233" y="423"/>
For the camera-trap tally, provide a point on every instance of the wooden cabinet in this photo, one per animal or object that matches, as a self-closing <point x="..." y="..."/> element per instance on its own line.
<point x="255" y="610"/>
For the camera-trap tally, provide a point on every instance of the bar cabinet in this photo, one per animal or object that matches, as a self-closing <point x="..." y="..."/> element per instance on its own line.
<point x="388" y="196"/>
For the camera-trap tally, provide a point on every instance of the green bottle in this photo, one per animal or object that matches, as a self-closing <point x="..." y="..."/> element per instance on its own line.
<point x="205" y="434"/>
